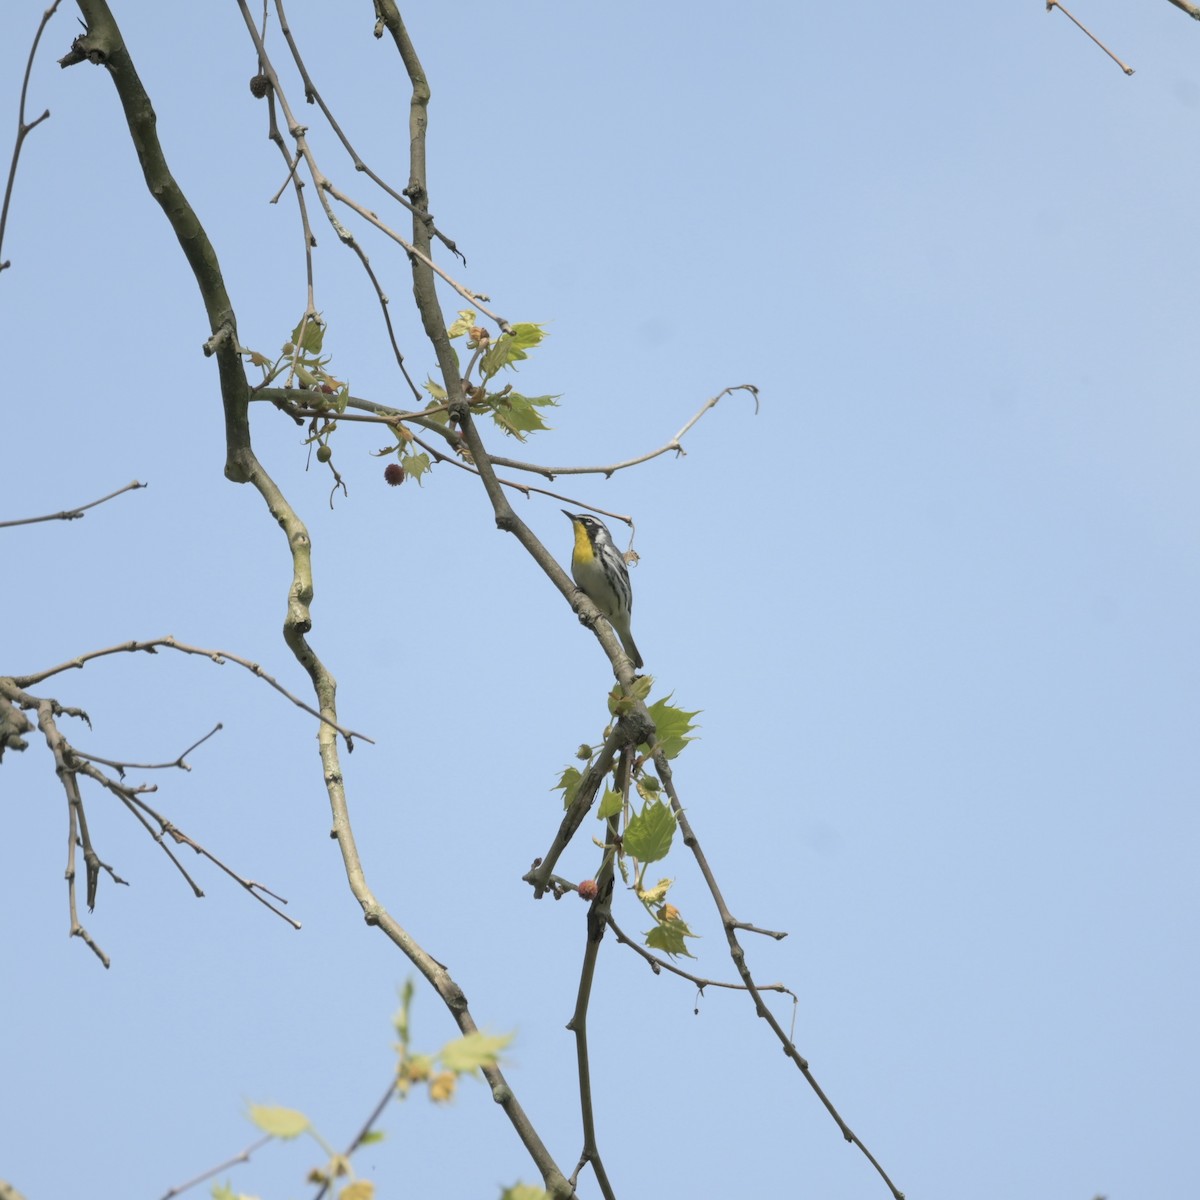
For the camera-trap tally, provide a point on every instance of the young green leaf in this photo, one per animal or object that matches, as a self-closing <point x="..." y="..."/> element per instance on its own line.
<point x="619" y="703"/>
<point x="510" y="347"/>
<point x="279" y="1122"/>
<point x="669" y="936"/>
<point x="649" y="833"/>
<point x="657" y="894"/>
<point x="415" y="465"/>
<point x="464" y="324"/>
<point x="473" y="1051"/>
<point x="524" y="1191"/>
<point x="569" y="782"/>
<point x="518" y="415"/>
<point x="673" y="725"/>
<point x="610" y="804"/>
<point x="314" y="335"/>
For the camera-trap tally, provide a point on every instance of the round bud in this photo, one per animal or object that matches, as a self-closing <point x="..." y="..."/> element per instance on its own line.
<point x="324" y="454"/>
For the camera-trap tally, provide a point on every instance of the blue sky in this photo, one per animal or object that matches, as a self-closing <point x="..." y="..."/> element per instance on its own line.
<point x="936" y="600"/>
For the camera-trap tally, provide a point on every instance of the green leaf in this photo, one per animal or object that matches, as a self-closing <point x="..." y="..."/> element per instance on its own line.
<point x="510" y="347"/>
<point x="569" y="782"/>
<point x="610" y="805"/>
<point x="647" y="786"/>
<point x="279" y="1122"/>
<point x="649" y="833"/>
<point x="400" y="1020"/>
<point x="619" y="703"/>
<point x="314" y="335"/>
<point x="473" y="1051"/>
<point x="360" y="1189"/>
<point x="657" y="894"/>
<point x="669" y="936"/>
<point x="673" y="725"/>
<point x="371" y="1137"/>
<point x="465" y="323"/>
<point x="415" y="465"/>
<point x="436" y="390"/>
<point x="524" y="1191"/>
<point x="518" y="415"/>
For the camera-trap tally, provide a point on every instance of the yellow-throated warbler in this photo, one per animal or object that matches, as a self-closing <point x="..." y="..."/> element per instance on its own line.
<point x="601" y="575"/>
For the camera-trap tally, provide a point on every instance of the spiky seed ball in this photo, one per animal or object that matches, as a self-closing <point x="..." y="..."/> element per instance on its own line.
<point x="394" y="474"/>
<point x="588" y="889"/>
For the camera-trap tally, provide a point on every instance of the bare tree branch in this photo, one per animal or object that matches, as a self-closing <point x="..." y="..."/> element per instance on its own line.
<point x="71" y="514"/>
<point x="217" y="656"/>
<point x="1053" y="4"/>
<point x="24" y="128"/>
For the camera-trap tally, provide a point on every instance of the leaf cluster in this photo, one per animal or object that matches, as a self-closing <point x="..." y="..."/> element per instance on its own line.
<point x="639" y="835"/>
<point x="439" y="1072"/>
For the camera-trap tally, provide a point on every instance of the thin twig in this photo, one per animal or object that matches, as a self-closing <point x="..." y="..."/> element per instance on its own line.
<point x="1052" y="4"/>
<point x="314" y="97"/>
<point x="738" y="955"/>
<point x="121" y="766"/>
<point x="71" y="514"/>
<point x="24" y="128"/>
<point x="217" y="656"/>
<point x="658" y="965"/>
<point x="387" y="415"/>
<point x="243" y="1157"/>
<point x="359" y="1137"/>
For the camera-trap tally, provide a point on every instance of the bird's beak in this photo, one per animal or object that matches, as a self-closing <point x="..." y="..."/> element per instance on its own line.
<point x="572" y="516"/>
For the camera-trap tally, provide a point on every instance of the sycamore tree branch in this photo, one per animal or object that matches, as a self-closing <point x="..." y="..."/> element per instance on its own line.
<point x="71" y="764"/>
<point x="738" y="954"/>
<point x="314" y="97"/>
<point x="220" y="657"/>
<point x="425" y="295"/>
<point x="386" y="415"/>
<point x="72" y="514"/>
<point x="24" y="127"/>
<point x="102" y="45"/>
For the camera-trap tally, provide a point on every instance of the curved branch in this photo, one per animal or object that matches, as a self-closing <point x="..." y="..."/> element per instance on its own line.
<point x="386" y="415"/>
<point x="217" y="656"/>
<point x="102" y="45"/>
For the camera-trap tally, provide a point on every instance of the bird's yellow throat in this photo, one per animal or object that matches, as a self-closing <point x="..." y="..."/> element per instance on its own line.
<point x="583" y="544"/>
